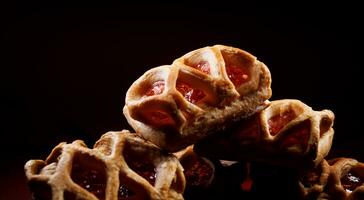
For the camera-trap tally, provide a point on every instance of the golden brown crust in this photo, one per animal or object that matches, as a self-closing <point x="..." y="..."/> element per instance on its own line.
<point x="312" y="182"/>
<point x="331" y="185"/>
<point x="221" y="97"/>
<point x="287" y="132"/>
<point x="340" y="167"/>
<point x="111" y="168"/>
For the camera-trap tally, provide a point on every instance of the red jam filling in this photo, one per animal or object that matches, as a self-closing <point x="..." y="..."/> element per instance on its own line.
<point x="142" y="167"/>
<point x="159" y="118"/>
<point x="249" y="128"/>
<point x="192" y="95"/>
<point x="247" y="184"/>
<point x="124" y="193"/>
<point x="156" y="88"/>
<point x="351" y="181"/>
<point x="298" y="135"/>
<point x="237" y="75"/>
<point x="276" y="123"/>
<point x="203" y="66"/>
<point x="90" y="179"/>
<point x="197" y="171"/>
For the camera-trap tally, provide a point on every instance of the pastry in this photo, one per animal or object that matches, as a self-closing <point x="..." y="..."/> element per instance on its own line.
<point x="347" y="179"/>
<point x="338" y="179"/>
<point x="199" y="171"/>
<point x="287" y="132"/>
<point x="313" y="181"/>
<point x="176" y="105"/>
<point x="120" y="166"/>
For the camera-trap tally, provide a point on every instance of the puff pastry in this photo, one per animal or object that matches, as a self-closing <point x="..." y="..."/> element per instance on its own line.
<point x="120" y="166"/>
<point x="288" y="133"/>
<point x="176" y="105"/>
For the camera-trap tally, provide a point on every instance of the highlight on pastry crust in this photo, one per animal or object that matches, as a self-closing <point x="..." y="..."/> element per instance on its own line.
<point x="339" y="178"/>
<point x="176" y="105"/>
<point x="287" y="132"/>
<point x="120" y="166"/>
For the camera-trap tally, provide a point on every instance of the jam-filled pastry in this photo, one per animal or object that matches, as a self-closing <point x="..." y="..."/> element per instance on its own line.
<point x="287" y="132"/>
<point x="338" y="179"/>
<point x="347" y="179"/>
<point x="199" y="171"/>
<point x="120" y="166"/>
<point x="176" y="105"/>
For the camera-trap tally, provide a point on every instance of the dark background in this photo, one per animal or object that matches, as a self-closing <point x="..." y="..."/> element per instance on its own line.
<point x="65" y="69"/>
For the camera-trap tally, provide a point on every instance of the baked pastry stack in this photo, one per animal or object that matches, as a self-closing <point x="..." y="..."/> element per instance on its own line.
<point x="176" y="105"/>
<point x="287" y="132"/>
<point x="210" y="104"/>
<point x="120" y="166"/>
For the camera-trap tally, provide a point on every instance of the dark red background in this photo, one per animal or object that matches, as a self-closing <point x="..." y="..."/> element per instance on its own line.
<point x="65" y="69"/>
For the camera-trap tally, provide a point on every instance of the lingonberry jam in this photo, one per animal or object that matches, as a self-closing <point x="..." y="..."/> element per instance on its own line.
<point x="156" y="88"/>
<point x="91" y="179"/>
<point x="351" y="181"/>
<point x="248" y="128"/>
<point x="198" y="172"/>
<point x="237" y="75"/>
<point x="159" y="118"/>
<point x="298" y="135"/>
<point x="247" y="184"/>
<point x="276" y="123"/>
<point x="142" y="167"/>
<point x="192" y="95"/>
<point x="124" y="192"/>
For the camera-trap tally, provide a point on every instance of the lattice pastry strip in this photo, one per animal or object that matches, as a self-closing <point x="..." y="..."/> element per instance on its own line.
<point x="175" y="105"/>
<point x="287" y="132"/>
<point x="199" y="171"/>
<point x="120" y="166"/>
<point x="340" y="178"/>
<point x="313" y="181"/>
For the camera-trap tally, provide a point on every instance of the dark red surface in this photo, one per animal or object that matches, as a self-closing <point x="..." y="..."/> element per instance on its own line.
<point x="159" y="118"/>
<point x="13" y="181"/>
<point x="90" y="179"/>
<point x="198" y="172"/>
<point x="248" y="129"/>
<point x="298" y="135"/>
<point x="65" y="69"/>
<point x="142" y="166"/>
<point x="277" y="122"/>
<point x="351" y="181"/>
<point x="238" y="75"/>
